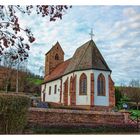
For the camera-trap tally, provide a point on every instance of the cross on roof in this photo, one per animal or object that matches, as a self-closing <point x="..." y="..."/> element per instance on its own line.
<point x="91" y="34"/>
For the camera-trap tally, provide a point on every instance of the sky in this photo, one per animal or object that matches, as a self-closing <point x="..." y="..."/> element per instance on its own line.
<point x="116" y="30"/>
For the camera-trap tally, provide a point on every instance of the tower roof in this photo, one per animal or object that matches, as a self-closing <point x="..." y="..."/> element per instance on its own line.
<point x="57" y="44"/>
<point x="87" y="57"/>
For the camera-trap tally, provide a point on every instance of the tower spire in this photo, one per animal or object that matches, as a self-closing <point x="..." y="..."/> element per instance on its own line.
<point x="91" y="34"/>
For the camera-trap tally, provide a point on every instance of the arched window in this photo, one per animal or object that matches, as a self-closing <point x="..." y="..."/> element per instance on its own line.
<point x="101" y="85"/>
<point x="56" y="57"/>
<point x="83" y="84"/>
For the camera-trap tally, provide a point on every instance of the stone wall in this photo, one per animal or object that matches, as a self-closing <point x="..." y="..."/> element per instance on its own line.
<point x="111" y="92"/>
<point x="65" y="116"/>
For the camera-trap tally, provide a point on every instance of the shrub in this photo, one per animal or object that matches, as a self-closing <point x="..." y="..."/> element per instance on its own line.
<point x="13" y="113"/>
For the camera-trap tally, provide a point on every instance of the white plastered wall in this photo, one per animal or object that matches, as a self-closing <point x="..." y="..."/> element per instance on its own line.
<point x="53" y="97"/>
<point x="64" y="78"/>
<point x="101" y="100"/>
<point x="85" y="99"/>
<point x="80" y="99"/>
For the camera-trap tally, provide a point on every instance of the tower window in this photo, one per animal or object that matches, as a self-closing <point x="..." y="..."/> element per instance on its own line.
<point x="56" y="57"/>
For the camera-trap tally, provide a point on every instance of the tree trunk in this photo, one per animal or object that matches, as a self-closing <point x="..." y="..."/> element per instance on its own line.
<point x="137" y="105"/>
<point x="6" y="88"/>
<point x="17" y="82"/>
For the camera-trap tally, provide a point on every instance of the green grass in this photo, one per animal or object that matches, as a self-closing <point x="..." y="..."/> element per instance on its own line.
<point x="35" y="81"/>
<point x="38" y="129"/>
<point x="135" y="113"/>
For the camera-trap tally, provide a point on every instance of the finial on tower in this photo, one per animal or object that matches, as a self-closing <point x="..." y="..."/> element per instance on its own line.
<point x="91" y="34"/>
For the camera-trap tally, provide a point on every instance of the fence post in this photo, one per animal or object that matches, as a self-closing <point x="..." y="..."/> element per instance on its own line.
<point x="126" y="116"/>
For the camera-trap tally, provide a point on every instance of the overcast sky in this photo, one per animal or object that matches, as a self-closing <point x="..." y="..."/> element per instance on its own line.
<point x="117" y="36"/>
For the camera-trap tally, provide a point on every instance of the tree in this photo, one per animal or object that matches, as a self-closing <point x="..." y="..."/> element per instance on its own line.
<point x="9" y="64"/>
<point x="42" y="70"/>
<point x="10" y="30"/>
<point x="10" y="27"/>
<point x="118" y="97"/>
<point x="12" y="67"/>
<point x="134" y="92"/>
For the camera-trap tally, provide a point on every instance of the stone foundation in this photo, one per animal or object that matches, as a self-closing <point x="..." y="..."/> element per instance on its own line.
<point x="81" y="107"/>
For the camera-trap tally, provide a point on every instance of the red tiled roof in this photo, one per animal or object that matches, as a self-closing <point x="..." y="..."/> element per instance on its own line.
<point x="86" y="57"/>
<point x="57" y="72"/>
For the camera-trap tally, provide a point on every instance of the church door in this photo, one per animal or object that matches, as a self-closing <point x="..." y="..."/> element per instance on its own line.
<point x="65" y="99"/>
<point x="73" y="91"/>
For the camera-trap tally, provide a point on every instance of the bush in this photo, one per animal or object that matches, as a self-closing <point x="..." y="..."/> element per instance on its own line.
<point x="13" y="113"/>
<point x="118" y="95"/>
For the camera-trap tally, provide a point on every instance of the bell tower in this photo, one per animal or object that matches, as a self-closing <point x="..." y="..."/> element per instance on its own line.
<point x="53" y="58"/>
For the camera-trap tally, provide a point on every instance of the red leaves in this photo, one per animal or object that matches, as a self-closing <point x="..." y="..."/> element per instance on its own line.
<point x="65" y="6"/>
<point x="9" y="36"/>
<point x="27" y="31"/>
<point x="5" y="42"/>
<point x="31" y="39"/>
<point x="7" y="25"/>
<point x="21" y="38"/>
<point x="54" y="12"/>
<point x="1" y="52"/>
<point x="52" y="19"/>
<point x="12" y="42"/>
<point x="14" y="57"/>
<point x="27" y="46"/>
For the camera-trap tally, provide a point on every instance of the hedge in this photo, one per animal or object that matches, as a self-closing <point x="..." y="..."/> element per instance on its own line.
<point x="13" y="113"/>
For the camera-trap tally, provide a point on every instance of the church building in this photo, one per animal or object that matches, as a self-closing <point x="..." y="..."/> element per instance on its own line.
<point x="81" y="81"/>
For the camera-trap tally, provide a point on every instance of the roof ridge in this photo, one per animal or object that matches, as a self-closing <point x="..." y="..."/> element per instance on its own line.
<point x="84" y="52"/>
<point x="92" y="55"/>
<point x="54" y="46"/>
<point x="102" y="58"/>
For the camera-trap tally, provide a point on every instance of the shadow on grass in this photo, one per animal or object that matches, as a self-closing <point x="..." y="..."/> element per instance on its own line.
<point x="39" y="129"/>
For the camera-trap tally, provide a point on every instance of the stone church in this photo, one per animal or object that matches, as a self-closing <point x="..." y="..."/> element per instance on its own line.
<point x="82" y="81"/>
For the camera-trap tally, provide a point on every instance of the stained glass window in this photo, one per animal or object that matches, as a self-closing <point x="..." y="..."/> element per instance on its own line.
<point x="83" y="84"/>
<point x="101" y="85"/>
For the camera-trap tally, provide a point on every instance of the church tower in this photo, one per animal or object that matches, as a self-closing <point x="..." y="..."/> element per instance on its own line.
<point x="53" y="58"/>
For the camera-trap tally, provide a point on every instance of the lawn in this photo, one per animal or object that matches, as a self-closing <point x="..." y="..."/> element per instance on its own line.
<point x="38" y="129"/>
<point x="135" y="113"/>
<point x="35" y="81"/>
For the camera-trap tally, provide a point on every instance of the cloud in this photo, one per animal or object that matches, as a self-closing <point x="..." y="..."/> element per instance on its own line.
<point x="129" y="11"/>
<point x="116" y="29"/>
